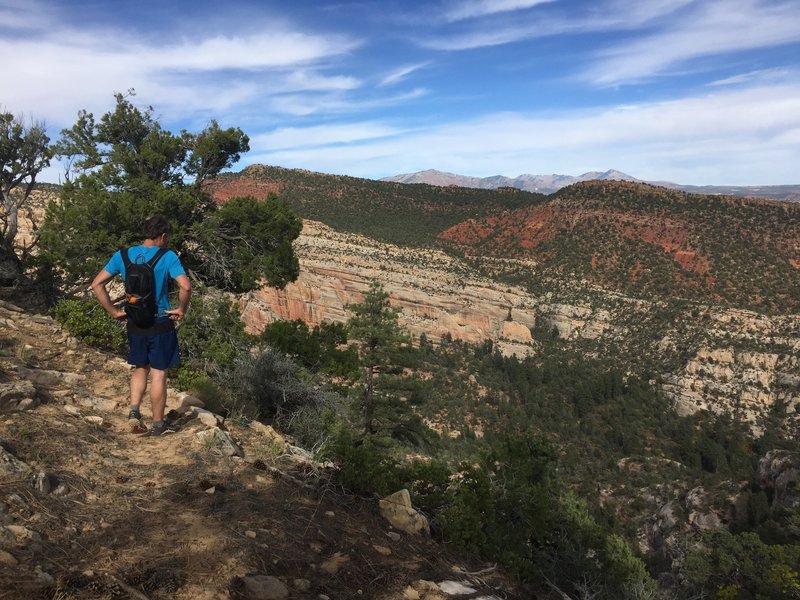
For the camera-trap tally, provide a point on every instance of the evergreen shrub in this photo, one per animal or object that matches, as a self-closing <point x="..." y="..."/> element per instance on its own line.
<point x="89" y="322"/>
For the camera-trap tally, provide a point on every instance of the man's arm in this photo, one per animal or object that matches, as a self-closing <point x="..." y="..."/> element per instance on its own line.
<point x="184" y="295"/>
<point x="100" y="291"/>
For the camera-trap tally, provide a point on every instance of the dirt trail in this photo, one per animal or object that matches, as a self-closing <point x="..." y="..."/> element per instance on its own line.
<point x="117" y="515"/>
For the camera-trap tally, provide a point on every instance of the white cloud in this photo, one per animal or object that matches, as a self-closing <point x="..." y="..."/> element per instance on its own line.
<point x="401" y="73"/>
<point x="612" y="15"/>
<point x="322" y="135"/>
<point x="714" y="28"/>
<point x="482" y="8"/>
<point x="24" y="15"/>
<point x="481" y="38"/>
<point x="61" y="71"/>
<point x="326" y="104"/>
<point x="727" y="138"/>
<point x="760" y="76"/>
<point x="268" y="49"/>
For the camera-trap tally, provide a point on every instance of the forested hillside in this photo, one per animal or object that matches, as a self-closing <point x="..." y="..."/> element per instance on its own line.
<point x="393" y="212"/>
<point x="653" y="242"/>
<point x="629" y="237"/>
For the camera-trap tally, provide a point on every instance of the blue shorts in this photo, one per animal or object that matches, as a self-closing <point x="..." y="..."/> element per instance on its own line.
<point x="159" y="351"/>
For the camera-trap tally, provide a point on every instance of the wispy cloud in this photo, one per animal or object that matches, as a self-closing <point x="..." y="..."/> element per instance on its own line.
<point x="24" y="15"/>
<point x="324" y="135"/>
<point x="608" y="16"/>
<point x="481" y="38"/>
<point x="761" y="76"/>
<point x="83" y="66"/>
<point x="401" y="73"/>
<point x="330" y="104"/>
<point x="483" y="8"/>
<point x="268" y="49"/>
<point x="712" y="28"/>
<point x="743" y="130"/>
<point x="662" y="36"/>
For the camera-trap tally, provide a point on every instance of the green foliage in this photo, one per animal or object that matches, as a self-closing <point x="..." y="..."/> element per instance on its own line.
<point x="374" y="324"/>
<point x="365" y="465"/>
<point x="127" y="150"/>
<point x="318" y="349"/>
<point x="246" y="241"/>
<point x="506" y="507"/>
<point x="213" y="396"/>
<point x="87" y="321"/>
<point x="428" y="482"/>
<point x="212" y="334"/>
<point x="278" y="387"/>
<point x="731" y="565"/>
<point x="213" y="150"/>
<point x="80" y="233"/>
<point x="127" y="168"/>
<point x="268" y="379"/>
<point x="502" y="507"/>
<point x="385" y="211"/>
<point x="462" y="520"/>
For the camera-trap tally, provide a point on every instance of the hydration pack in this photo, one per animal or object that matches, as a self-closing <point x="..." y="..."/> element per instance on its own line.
<point x="140" y="290"/>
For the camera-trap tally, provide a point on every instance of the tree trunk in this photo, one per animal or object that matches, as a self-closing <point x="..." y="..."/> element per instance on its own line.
<point x="12" y="220"/>
<point x="369" y="405"/>
<point x="10" y="265"/>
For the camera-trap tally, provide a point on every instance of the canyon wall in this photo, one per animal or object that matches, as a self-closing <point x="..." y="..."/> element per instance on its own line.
<point x="710" y="358"/>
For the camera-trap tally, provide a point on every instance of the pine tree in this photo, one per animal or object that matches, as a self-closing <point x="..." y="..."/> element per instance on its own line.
<point x="375" y="325"/>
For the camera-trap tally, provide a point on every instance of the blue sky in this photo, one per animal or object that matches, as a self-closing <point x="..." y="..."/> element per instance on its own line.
<point x="694" y="92"/>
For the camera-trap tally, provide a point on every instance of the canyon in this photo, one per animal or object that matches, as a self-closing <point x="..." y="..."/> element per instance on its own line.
<point x="705" y="357"/>
<point x="702" y="356"/>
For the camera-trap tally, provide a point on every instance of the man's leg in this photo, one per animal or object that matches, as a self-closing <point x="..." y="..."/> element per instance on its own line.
<point x="163" y="354"/>
<point x="138" y="385"/>
<point x="158" y="392"/>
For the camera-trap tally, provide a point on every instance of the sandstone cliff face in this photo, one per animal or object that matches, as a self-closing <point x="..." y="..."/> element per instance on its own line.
<point x="437" y="294"/>
<point x="746" y="365"/>
<point x="712" y="359"/>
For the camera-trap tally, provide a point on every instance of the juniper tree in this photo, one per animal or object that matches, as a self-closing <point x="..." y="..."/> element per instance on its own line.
<point x="124" y="167"/>
<point x="375" y="325"/>
<point x="24" y="152"/>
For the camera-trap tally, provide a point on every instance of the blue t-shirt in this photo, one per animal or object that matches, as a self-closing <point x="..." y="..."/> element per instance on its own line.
<point x="168" y="266"/>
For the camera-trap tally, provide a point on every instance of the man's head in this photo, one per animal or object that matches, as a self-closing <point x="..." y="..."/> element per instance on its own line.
<point x="156" y="226"/>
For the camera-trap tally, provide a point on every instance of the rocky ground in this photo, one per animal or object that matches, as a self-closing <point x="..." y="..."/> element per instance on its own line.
<point x="216" y="510"/>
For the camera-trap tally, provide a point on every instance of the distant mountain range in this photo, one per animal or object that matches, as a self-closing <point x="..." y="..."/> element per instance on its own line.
<point x="548" y="184"/>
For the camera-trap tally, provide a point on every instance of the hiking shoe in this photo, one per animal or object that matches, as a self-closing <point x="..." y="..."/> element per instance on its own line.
<point x="136" y="426"/>
<point x="162" y="428"/>
<point x="135" y="422"/>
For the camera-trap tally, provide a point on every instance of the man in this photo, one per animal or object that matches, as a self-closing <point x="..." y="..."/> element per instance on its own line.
<point x="154" y="350"/>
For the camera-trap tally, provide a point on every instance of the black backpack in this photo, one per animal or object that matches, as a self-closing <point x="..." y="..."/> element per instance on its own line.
<point x="140" y="289"/>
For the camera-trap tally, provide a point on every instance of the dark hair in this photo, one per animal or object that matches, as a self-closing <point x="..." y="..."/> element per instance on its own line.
<point x="156" y="226"/>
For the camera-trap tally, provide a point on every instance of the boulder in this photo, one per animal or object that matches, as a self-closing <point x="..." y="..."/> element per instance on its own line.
<point x="49" y="379"/>
<point x="14" y="393"/>
<point x="397" y="509"/>
<point x="10" y="464"/>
